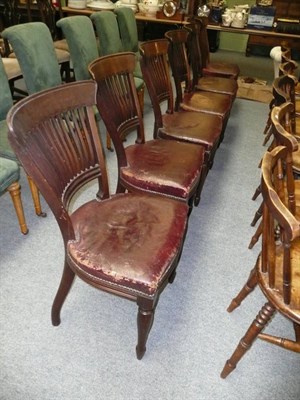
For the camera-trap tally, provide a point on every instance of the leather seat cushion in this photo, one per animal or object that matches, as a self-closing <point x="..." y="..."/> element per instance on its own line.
<point x="129" y="241"/>
<point x="219" y="68"/>
<point x="204" y="129"/>
<point x="218" y="85"/>
<point x="212" y="103"/>
<point x="163" y="166"/>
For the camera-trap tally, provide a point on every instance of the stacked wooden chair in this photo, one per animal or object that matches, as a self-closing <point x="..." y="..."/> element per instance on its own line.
<point x="283" y="92"/>
<point x="277" y="269"/>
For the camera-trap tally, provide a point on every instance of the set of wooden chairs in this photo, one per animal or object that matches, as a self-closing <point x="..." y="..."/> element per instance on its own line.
<point x="129" y="243"/>
<point x="277" y="269"/>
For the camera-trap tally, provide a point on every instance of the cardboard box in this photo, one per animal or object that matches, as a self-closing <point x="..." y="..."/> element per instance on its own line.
<point x="261" y="17"/>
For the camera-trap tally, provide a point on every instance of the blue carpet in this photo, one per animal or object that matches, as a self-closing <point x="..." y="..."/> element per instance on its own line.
<point x="91" y="355"/>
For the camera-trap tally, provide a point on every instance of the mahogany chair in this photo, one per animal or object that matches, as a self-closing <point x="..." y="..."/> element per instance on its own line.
<point x="277" y="267"/>
<point x="223" y="69"/>
<point x="190" y="100"/>
<point x="215" y="84"/>
<point x="166" y="167"/>
<point x="127" y="244"/>
<point x="186" y="126"/>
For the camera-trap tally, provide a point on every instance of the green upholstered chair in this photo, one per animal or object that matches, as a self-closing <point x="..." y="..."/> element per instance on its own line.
<point x="128" y="28"/>
<point x="9" y="169"/>
<point x="108" y="31"/>
<point x="48" y="13"/>
<point x="79" y="33"/>
<point x="6" y="151"/>
<point x="9" y="182"/>
<point x="14" y="74"/>
<point x="33" y="45"/>
<point x="129" y="34"/>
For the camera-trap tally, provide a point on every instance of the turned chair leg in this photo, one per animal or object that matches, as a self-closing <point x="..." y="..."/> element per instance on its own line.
<point x="256" y="193"/>
<point x="36" y="198"/>
<point x="108" y="142"/>
<point x="256" y="236"/>
<point x="15" y="194"/>
<point x="297" y="332"/>
<point x="260" y="322"/>
<point x="204" y="172"/>
<point x="245" y="291"/>
<point x="145" y="319"/>
<point x="257" y="215"/>
<point x="62" y="292"/>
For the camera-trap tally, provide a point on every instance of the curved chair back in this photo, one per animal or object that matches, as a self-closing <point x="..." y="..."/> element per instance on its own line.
<point x="33" y="45"/>
<point x="79" y="33"/>
<point x="178" y="39"/>
<point x="107" y="29"/>
<point x="117" y="99"/>
<point x="156" y="73"/>
<point x="128" y="244"/>
<point x="61" y="155"/>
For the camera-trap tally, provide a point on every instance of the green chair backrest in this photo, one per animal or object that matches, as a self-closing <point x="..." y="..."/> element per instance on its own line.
<point x="6" y="100"/>
<point x="127" y="28"/>
<point x="33" y="45"/>
<point x="107" y="29"/>
<point x="80" y="35"/>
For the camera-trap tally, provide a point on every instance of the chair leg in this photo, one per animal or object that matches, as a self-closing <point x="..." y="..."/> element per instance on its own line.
<point x="141" y="96"/>
<point x="257" y="215"/>
<point x="65" y="285"/>
<point x="204" y="172"/>
<point x="256" y="193"/>
<point x="267" y="131"/>
<point x="256" y="236"/>
<point x="260" y="322"/>
<point x="247" y="289"/>
<point x="108" y="142"/>
<point x="15" y="193"/>
<point x="36" y="198"/>
<point x="145" y="319"/>
<point x="65" y="71"/>
<point x="297" y="332"/>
